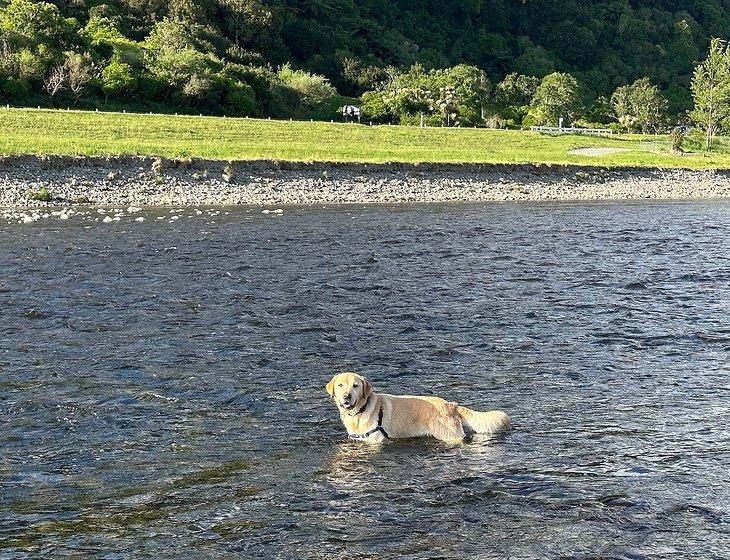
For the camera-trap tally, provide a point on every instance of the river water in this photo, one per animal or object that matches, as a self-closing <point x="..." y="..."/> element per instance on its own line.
<point x="162" y="382"/>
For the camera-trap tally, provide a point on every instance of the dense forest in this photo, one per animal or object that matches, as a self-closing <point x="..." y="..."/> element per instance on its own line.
<point x="305" y="58"/>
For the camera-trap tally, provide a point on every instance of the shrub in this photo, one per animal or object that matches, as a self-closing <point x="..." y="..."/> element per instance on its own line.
<point x="15" y="89"/>
<point x="429" y="119"/>
<point x="676" y="139"/>
<point x="528" y="121"/>
<point x="240" y="100"/>
<point x="374" y="108"/>
<point x="495" y="121"/>
<point x="312" y="90"/>
<point x="42" y="194"/>
<point x="117" y="77"/>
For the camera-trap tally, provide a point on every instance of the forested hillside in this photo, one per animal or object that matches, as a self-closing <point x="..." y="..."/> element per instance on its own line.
<point x="268" y="57"/>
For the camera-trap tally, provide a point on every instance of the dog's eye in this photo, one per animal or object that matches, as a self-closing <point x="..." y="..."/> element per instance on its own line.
<point x="354" y="386"/>
<point x="339" y="384"/>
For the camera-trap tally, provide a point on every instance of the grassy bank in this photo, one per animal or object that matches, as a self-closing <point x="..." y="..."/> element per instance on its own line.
<point x="30" y="131"/>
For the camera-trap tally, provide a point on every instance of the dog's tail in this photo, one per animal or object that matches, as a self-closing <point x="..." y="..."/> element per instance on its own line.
<point x="483" y="422"/>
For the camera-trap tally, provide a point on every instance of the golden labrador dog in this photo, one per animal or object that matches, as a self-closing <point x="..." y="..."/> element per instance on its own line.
<point x="375" y="417"/>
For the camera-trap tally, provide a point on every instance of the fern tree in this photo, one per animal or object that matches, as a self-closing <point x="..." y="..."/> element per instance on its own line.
<point x="711" y="90"/>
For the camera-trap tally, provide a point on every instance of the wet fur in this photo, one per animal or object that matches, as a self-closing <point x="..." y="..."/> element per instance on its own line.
<point x="408" y="416"/>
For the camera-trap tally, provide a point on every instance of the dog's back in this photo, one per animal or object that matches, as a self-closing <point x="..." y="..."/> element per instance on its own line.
<point x="423" y="415"/>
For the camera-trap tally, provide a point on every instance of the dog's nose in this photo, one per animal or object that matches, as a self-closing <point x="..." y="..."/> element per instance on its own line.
<point x="347" y="396"/>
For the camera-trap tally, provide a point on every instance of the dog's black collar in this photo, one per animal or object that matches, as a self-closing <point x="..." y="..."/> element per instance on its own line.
<point x="363" y="407"/>
<point x="378" y="428"/>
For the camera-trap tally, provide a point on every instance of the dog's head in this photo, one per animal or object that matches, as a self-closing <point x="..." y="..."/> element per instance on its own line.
<point x="349" y="390"/>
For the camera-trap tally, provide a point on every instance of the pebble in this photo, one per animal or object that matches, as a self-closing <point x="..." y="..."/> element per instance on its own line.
<point x="136" y="185"/>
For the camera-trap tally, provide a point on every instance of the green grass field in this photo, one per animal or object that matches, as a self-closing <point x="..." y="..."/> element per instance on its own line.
<point x="31" y="131"/>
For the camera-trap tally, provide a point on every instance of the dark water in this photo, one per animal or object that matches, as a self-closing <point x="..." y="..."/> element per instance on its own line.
<point x="162" y="384"/>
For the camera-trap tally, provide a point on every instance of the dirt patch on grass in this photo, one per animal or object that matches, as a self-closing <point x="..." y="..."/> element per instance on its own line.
<point x="597" y="151"/>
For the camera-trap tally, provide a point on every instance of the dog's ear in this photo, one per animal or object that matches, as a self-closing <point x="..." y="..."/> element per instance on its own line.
<point x="367" y="388"/>
<point x="331" y="387"/>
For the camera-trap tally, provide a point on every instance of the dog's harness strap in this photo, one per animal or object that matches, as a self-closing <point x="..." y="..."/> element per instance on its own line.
<point x="378" y="428"/>
<point x="380" y="424"/>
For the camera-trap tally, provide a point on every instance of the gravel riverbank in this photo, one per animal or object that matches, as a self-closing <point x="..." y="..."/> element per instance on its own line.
<point x="147" y="181"/>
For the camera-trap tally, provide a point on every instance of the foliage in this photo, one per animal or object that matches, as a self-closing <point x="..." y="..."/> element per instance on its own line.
<point x="243" y="18"/>
<point x="375" y="108"/>
<point x="34" y="23"/>
<point x="117" y="77"/>
<point x="102" y="30"/>
<point x="558" y="96"/>
<point x="676" y="140"/>
<point x="240" y="100"/>
<point x="42" y="195"/>
<point x="450" y="97"/>
<point x="711" y="91"/>
<point x="513" y="96"/>
<point x="175" y="55"/>
<point x="312" y="90"/>
<point x="362" y="76"/>
<point x="80" y="71"/>
<point x="639" y="106"/>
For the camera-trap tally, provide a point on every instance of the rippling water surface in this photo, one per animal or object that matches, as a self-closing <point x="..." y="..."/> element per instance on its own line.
<point x="162" y="383"/>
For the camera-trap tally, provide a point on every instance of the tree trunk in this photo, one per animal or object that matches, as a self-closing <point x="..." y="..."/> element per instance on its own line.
<point x="710" y="126"/>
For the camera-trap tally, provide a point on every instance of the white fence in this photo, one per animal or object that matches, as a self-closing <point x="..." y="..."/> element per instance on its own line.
<point x="572" y="130"/>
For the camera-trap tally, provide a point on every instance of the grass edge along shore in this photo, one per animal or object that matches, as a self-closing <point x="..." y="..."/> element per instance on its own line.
<point x="84" y="133"/>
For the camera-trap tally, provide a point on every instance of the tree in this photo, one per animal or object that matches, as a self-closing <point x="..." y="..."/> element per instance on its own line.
<point x="80" y="71"/>
<point x="35" y="22"/>
<point x="639" y="106"/>
<point x="451" y="96"/>
<point x="177" y="48"/>
<point x="408" y="101"/>
<point x="73" y="73"/>
<point x="534" y="60"/>
<point x="516" y="90"/>
<point x="117" y="77"/>
<point x="56" y="80"/>
<point x="21" y="65"/>
<point x="172" y="57"/>
<point x="447" y="105"/>
<point x="245" y="17"/>
<point x="375" y="108"/>
<point x="558" y="95"/>
<point x="711" y="91"/>
<point x="362" y="75"/>
<point x="100" y="29"/>
<point x="471" y="91"/>
<point x="513" y="96"/>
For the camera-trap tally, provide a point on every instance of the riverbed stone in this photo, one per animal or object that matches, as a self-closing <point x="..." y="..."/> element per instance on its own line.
<point x="144" y="181"/>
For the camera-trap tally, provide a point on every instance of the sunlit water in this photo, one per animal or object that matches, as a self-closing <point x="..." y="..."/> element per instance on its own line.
<point x="162" y="383"/>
